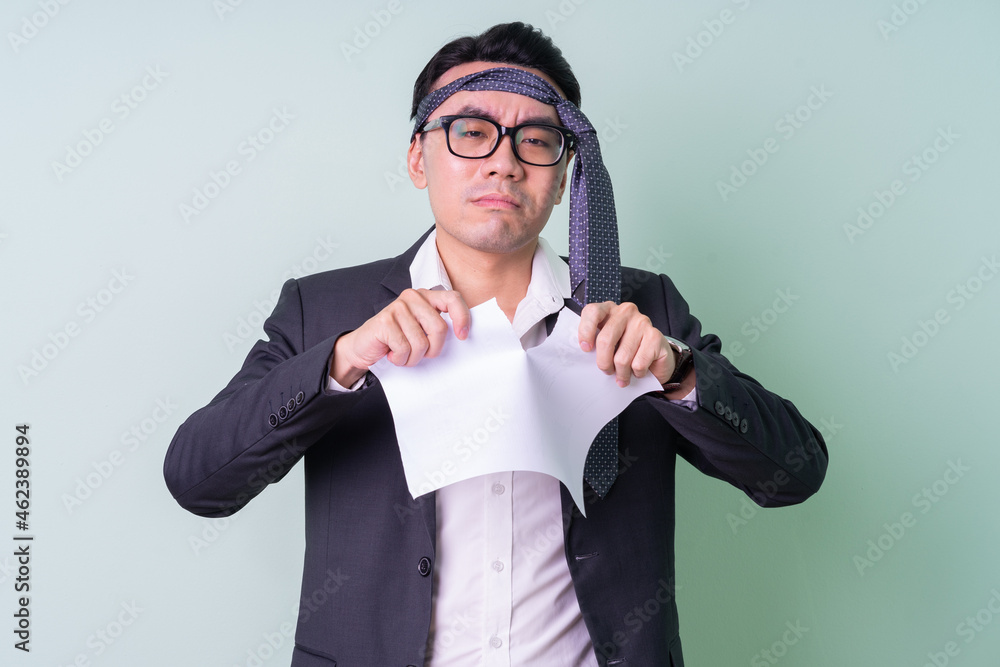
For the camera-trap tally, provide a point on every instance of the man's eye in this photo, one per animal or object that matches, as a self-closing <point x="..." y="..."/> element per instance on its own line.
<point x="469" y="131"/>
<point x="535" y="141"/>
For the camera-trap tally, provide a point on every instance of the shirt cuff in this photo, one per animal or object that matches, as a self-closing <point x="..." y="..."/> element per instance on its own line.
<point x="334" y="387"/>
<point x="690" y="401"/>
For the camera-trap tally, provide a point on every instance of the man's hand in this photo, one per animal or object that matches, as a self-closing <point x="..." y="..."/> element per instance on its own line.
<point x="626" y="341"/>
<point x="407" y="330"/>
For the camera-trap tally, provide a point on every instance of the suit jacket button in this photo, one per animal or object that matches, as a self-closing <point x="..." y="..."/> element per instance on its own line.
<point x="273" y="419"/>
<point x="282" y="413"/>
<point x="291" y="404"/>
<point x="744" y="426"/>
<point x="719" y="407"/>
<point x="299" y="397"/>
<point x="736" y="419"/>
<point x="424" y="566"/>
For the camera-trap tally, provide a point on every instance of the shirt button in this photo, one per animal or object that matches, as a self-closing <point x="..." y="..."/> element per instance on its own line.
<point x="496" y="642"/>
<point x="498" y="489"/>
<point x="497" y="566"/>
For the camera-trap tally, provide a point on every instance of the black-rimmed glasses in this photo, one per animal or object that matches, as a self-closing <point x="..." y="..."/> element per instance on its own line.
<point x="474" y="138"/>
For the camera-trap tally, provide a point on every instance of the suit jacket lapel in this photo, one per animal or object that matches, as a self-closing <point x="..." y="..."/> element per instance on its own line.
<point x="397" y="278"/>
<point x="395" y="281"/>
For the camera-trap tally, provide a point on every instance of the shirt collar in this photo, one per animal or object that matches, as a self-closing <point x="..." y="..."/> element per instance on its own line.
<point x="427" y="270"/>
<point x="549" y="273"/>
<point x="547" y="291"/>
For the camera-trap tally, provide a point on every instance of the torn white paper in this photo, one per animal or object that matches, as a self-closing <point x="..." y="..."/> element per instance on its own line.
<point x="485" y="405"/>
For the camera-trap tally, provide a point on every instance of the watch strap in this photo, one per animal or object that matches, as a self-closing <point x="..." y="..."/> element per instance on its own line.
<point x="683" y="361"/>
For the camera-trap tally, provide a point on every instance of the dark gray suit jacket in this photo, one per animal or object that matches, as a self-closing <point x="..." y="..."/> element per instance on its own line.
<point x="370" y="548"/>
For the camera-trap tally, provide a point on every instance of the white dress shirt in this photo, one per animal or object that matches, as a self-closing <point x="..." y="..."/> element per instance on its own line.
<point x="503" y="594"/>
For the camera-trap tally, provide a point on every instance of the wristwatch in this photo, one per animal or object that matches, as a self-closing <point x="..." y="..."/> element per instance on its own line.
<point x="683" y="361"/>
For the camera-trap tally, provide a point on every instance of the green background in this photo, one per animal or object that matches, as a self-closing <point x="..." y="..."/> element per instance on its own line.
<point x="895" y="78"/>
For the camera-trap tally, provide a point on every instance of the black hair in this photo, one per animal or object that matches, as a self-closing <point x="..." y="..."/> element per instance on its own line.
<point x="507" y="43"/>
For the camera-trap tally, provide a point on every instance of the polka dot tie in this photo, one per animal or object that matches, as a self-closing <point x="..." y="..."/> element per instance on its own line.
<point x="594" y="261"/>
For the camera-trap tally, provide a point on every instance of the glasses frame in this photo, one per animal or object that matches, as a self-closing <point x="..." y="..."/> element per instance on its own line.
<point x="444" y="123"/>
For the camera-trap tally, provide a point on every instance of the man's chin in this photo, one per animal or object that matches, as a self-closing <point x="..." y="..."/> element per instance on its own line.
<point x="499" y="245"/>
<point x="495" y="237"/>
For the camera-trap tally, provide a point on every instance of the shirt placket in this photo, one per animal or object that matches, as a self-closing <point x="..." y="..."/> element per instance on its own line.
<point x="497" y="563"/>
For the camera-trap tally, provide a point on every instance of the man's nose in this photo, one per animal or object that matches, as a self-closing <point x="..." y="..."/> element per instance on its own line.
<point x="504" y="162"/>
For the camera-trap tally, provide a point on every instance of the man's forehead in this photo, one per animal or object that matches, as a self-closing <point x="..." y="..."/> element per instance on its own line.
<point x="492" y="103"/>
<point x="498" y="106"/>
<point x="483" y="109"/>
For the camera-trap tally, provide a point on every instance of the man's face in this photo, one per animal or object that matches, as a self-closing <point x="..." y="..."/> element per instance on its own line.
<point x="496" y="204"/>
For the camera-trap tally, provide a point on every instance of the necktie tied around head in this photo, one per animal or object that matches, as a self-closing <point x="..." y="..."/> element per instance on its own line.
<point x="594" y="262"/>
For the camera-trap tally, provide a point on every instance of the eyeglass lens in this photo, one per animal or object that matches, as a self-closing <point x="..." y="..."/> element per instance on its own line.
<point x="475" y="137"/>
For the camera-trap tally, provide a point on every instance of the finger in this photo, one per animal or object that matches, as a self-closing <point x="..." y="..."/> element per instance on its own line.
<point x="396" y="343"/>
<point x="654" y="354"/>
<point x="608" y="339"/>
<point x="592" y="317"/>
<point x="451" y="302"/>
<point x="628" y="346"/>
<point x="425" y="330"/>
<point x="427" y="306"/>
<point x="348" y="364"/>
<point x="405" y="337"/>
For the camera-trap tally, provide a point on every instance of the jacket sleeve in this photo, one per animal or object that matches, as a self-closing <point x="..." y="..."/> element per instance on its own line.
<point x="740" y="432"/>
<point x="260" y="425"/>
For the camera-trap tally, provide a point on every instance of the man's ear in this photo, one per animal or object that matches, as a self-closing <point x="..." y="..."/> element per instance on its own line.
<point x="562" y="184"/>
<point x="415" y="162"/>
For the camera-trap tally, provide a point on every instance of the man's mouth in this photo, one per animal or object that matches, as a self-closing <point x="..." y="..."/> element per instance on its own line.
<point x="496" y="200"/>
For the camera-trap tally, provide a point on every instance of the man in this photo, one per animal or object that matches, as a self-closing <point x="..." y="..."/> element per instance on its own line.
<point x="501" y="569"/>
